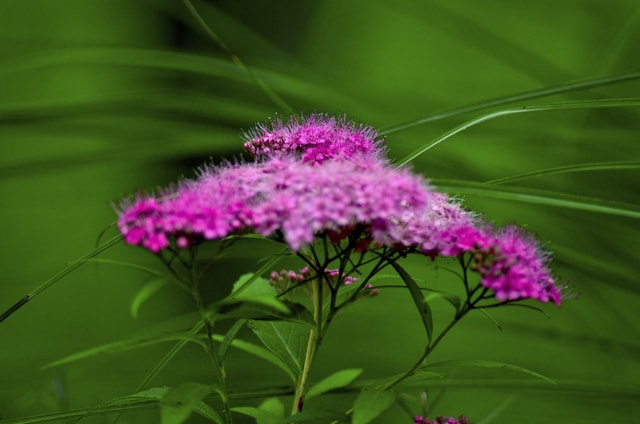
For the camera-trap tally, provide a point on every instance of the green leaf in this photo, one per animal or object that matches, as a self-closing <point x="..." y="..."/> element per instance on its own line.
<point x="369" y="404"/>
<point x="145" y="293"/>
<point x="491" y="317"/>
<point x="336" y="380"/>
<point x="259" y="352"/>
<point x="418" y="377"/>
<point x="128" y="344"/>
<point x="178" y="403"/>
<point x="286" y="340"/>
<point x="478" y="363"/>
<point x="452" y="299"/>
<point x="418" y="299"/>
<point x="253" y="297"/>
<point x="274" y="407"/>
<point x="261" y="416"/>
<point x="230" y="337"/>
<point x="315" y="416"/>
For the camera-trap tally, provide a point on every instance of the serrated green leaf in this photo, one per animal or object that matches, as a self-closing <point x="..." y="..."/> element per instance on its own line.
<point x="286" y="340"/>
<point x="418" y="299"/>
<point x="336" y="380"/>
<point x="128" y="344"/>
<point x="179" y="402"/>
<point x="369" y="404"/>
<point x="259" y="352"/>
<point x="479" y="363"/>
<point x="145" y="293"/>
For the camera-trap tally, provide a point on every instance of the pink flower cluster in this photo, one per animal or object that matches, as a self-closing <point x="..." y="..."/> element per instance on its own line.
<point x="314" y="139"/>
<point x="325" y="176"/>
<point x="442" y="420"/>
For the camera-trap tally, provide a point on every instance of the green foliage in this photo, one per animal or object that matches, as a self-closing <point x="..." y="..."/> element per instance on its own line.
<point x="103" y="99"/>
<point x="178" y="403"/>
<point x="369" y="404"/>
<point x="336" y="380"/>
<point x="286" y="340"/>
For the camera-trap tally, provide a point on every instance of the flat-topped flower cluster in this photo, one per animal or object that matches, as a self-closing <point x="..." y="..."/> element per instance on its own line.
<point x="325" y="176"/>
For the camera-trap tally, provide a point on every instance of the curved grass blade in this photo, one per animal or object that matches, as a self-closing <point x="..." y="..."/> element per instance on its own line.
<point x="498" y="409"/>
<point x="585" y="167"/>
<point x="541" y="197"/>
<point x="72" y="267"/>
<point x="277" y="100"/>
<point x="581" y="85"/>
<point x="586" y="104"/>
<point x="148" y="290"/>
<point x="478" y="363"/>
<point x="128" y="344"/>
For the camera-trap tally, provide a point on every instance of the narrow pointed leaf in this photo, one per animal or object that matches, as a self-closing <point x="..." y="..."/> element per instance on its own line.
<point x="418" y="299"/>
<point x="369" y="404"/>
<point x="145" y="293"/>
<point x="128" y="344"/>
<point x="478" y="363"/>
<point x="336" y="380"/>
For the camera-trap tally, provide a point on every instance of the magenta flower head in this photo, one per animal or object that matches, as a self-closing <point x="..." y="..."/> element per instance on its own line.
<point x="510" y="261"/>
<point x="314" y="139"/>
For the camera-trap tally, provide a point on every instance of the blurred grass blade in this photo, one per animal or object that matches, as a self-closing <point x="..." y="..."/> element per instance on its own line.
<point x="478" y="363"/>
<point x="541" y="197"/>
<point x="585" y="167"/>
<point x="59" y="276"/>
<point x="586" y="104"/>
<point x="128" y="344"/>
<point x="277" y="100"/>
<point x="498" y="409"/>
<point x="582" y="85"/>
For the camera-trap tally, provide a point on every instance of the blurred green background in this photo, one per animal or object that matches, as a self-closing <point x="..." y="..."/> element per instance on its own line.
<point x="99" y="99"/>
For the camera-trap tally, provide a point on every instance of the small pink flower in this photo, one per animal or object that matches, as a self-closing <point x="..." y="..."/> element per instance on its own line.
<point x="314" y="139"/>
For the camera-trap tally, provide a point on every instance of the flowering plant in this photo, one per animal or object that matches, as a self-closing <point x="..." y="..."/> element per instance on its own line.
<point x="323" y="189"/>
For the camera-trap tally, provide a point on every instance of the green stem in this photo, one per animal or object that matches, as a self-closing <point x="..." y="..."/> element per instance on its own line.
<point x="312" y="346"/>
<point x="430" y="347"/>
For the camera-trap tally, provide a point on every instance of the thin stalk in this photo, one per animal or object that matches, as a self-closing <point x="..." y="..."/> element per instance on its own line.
<point x="430" y="347"/>
<point x="312" y="346"/>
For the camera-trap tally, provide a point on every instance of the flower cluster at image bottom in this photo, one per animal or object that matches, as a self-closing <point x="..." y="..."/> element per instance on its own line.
<point x="322" y="176"/>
